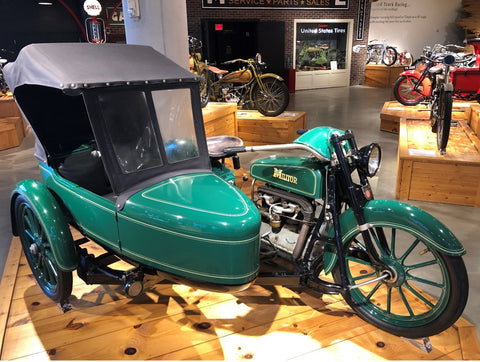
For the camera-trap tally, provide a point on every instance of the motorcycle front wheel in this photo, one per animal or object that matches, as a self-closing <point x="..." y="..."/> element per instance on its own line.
<point x="444" y="119"/>
<point x="404" y="92"/>
<point x="389" y="56"/>
<point x="424" y="294"/>
<point x="273" y="99"/>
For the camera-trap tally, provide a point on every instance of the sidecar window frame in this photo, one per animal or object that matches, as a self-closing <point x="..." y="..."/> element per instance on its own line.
<point x="125" y="184"/>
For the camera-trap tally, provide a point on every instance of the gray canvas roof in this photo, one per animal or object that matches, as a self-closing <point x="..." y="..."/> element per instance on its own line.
<point x="81" y="65"/>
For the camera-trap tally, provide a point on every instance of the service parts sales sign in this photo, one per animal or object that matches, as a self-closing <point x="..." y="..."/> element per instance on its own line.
<point x="284" y="4"/>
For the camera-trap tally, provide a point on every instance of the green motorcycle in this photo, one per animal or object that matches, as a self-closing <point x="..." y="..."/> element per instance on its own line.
<point x="124" y="160"/>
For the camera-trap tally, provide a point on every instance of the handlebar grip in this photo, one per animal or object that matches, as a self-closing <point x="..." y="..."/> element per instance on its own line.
<point x="233" y="150"/>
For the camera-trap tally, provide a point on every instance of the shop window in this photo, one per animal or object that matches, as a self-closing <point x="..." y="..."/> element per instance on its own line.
<point x="321" y="45"/>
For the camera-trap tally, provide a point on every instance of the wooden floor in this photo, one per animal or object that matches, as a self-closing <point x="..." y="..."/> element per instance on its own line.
<point x="175" y="322"/>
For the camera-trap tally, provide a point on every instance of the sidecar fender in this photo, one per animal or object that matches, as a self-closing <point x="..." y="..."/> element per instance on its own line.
<point x="271" y="75"/>
<point x="52" y="220"/>
<point x="390" y="213"/>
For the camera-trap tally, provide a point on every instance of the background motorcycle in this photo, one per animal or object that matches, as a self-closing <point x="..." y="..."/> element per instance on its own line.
<point x="249" y="88"/>
<point x="319" y="219"/>
<point x="442" y="101"/>
<point x="381" y="52"/>
<point x="200" y="68"/>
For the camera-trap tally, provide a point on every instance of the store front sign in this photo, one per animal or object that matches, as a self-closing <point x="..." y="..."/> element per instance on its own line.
<point x="279" y="4"/>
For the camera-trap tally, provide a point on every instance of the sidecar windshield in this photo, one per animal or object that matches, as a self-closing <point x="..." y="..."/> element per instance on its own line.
<point x="137" y="134"/>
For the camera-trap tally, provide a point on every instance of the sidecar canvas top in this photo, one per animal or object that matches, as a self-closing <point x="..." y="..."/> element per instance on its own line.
<point x="83" y="65"/>
<point x="139" y="109"/>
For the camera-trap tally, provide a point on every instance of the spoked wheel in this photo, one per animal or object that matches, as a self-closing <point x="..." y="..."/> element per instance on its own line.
<point x="273" y="99"/>
<point x="444" y="119"/>
<point x="389" y="56"/>
<point x="424" y="291"/>
<point x="204" y="87"/>
<point x="408" y="91"/>
<point x="55" y="283"/>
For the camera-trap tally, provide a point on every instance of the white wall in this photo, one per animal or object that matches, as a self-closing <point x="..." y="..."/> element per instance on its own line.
<point x="412" y="24"/>
<point x="162" y="25"/>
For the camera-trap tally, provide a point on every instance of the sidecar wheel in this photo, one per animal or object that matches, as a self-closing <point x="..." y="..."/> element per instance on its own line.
<point x="55" y="283"/>
<point x="425" y="293"/>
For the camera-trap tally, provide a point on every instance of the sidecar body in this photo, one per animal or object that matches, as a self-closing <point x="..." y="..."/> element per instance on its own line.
<point x="123" y="158"/>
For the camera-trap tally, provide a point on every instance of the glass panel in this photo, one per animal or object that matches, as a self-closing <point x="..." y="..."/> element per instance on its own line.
<point x="321" y="46"/>
<point x="130" y="128"/>
<point x="175" y="118"/>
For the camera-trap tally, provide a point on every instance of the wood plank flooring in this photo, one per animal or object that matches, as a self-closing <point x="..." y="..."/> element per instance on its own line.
<point x="176" y="322"/>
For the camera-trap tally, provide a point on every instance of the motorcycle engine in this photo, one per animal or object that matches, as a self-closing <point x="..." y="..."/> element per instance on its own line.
<point x="286" y="219"/>
<point x="230" y="94"/>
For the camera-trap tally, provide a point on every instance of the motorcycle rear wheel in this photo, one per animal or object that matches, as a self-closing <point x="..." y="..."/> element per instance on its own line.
<point x="389" y="56"/>
<point x="404" y="93"/>
<point x="427" y="290"/>
<point x="274" y="100"/>
<point x="204" y="87"/>
<point x="36" y="243"/>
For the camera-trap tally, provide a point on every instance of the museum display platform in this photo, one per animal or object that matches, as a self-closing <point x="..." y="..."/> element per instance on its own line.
<point x="250" y="125"/>
<point x="176" y="322"/>
<point x="379" y="75"/>
<point x="423" y="173"/>
<point x="12" y="128"/>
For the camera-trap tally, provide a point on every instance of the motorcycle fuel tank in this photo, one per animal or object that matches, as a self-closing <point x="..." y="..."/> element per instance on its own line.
<point x="302" y="175"/>
<point x="238" y="76"/>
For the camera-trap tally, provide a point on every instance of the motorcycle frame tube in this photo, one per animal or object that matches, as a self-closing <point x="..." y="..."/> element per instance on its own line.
<point x="52" y="220"/>
<point x="418" y="222"/>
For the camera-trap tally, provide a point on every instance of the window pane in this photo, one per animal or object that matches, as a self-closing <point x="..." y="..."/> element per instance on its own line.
<point x="131" y="130"/>
<point x="320" y="46"/>
<point x="175" y="118"/>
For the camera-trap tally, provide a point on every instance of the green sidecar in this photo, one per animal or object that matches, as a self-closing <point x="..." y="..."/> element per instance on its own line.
<point x="123" y="159"/>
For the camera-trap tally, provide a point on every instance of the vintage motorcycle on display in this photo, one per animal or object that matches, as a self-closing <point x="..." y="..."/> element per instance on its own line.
<point x="380" y="52"/>
<point x="200" y="68"/>
<point x="249" y="88"/>
<point x="124" y="160"/>
<point x="437" y="84"/>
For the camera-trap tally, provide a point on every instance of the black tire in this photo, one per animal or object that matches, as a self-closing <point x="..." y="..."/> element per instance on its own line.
<point x="444" y="119"/>
<point x="427" y="294"/>
<point x="403" y="91"/>
<point x="204" y="87"/>
<point x="274" y="100"/>
<point x="36" y="243"/>
<point x="389" y="56"/>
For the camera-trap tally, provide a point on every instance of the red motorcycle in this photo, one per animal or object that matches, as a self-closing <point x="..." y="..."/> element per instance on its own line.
<point x="416" y="85"/>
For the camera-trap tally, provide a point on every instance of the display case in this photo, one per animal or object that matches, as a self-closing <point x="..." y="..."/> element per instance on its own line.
<point x="322" y="53"/>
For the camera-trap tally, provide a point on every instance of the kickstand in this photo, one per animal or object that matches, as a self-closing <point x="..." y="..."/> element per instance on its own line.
<point x="425" y="347"/>
<point x="65" y="306"/>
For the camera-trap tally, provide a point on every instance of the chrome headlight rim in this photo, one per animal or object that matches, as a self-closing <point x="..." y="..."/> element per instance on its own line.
<point x="370" y="158"/>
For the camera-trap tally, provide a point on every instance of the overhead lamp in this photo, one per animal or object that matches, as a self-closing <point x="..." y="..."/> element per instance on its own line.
<point x="45" y="3"/>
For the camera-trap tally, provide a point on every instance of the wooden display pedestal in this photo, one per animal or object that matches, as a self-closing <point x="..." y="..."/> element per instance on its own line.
<point x="257" y="129"/>
<point x="220" y="119"/>
<point x="424" y="174"/>
<point x="393" y="111"/>
<point x="12" y="129"/>
<point x="381" y="75"/>
<point x="175" y="322"/>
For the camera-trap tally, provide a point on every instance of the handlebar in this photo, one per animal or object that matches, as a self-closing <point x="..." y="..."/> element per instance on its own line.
<point x="281" y="147"/>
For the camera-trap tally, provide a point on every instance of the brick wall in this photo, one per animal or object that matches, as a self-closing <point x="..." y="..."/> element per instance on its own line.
<point x="195" y="13"/>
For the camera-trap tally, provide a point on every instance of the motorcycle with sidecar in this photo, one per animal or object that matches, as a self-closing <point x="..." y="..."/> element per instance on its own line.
<point x="124" y="160"/>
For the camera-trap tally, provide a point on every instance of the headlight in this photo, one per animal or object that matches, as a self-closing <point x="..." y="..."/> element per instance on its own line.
<point x="370" y="157"/>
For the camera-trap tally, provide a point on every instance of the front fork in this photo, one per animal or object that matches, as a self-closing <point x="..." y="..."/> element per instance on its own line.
<point x="357" y="203"/>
